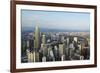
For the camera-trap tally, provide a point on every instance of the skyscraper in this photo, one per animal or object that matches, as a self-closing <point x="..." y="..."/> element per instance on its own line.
<point x="37" y="37"/>
<point x="43" y="39"/>
<point x="36" y="44"/>
<point x="75" y="39"/>
<point x="44" y="45"/>
<point x="61" y="49"/>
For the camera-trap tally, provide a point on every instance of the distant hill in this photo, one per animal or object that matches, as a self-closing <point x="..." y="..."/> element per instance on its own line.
<point x="31" y="29"/>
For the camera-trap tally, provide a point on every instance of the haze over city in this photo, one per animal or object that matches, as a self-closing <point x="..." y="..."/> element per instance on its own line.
<point x="55" y="20"/>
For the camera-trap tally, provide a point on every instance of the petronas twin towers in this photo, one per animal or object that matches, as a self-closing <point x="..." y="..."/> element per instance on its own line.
<point x="34" y="56"/>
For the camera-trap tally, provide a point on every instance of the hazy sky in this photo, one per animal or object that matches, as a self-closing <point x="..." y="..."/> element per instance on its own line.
<point x="56" y="20"/>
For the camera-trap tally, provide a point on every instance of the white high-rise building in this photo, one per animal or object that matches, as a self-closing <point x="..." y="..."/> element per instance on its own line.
<point x="75" y="39"/>
<point x="30" y="56"/>
<point x="44" y="59"/>
<point x="27" y="43"/>
<point x="43" y="39"/>
<point x="61" y="49"/>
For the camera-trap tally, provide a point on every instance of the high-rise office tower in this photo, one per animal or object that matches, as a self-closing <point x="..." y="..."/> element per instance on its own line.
<point x="80" y="47"/>
<point x="67" y="41"/>
<point x="67" y="47"/>
<point x="49" y="48"/>
<point x="56" y="53"/>
<point x="61" y="49"/>
<point x="71" y="50"/>
<point x="29" y="56"/>
<point x="36" y="44"/>
<point x="37" y="38"/>
<point x="27" y="43"/>
<point x="88" y="40"/>
<point x="62" y="57"/>
<point x="75" y="39"/>
<point x="44" y="59"/>
<point x="44" y="45"/>
<point x="62" y="38"/>
<point x="43" y="39"/>
<point x="44" y="49"/>
<point x="36" y="56"/>
<point x="51" y="57"/>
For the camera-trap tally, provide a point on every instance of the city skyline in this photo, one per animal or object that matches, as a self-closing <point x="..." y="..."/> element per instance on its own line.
<point x="54" y="36"/>
<point x="45" y="47"/>
<point x="58" y="21"/>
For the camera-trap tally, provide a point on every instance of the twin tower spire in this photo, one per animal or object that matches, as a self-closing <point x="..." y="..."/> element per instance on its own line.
<point x="34" y="56"/>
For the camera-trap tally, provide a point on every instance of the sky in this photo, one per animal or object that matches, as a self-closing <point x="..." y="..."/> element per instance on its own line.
<point x="61" y="20"/>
